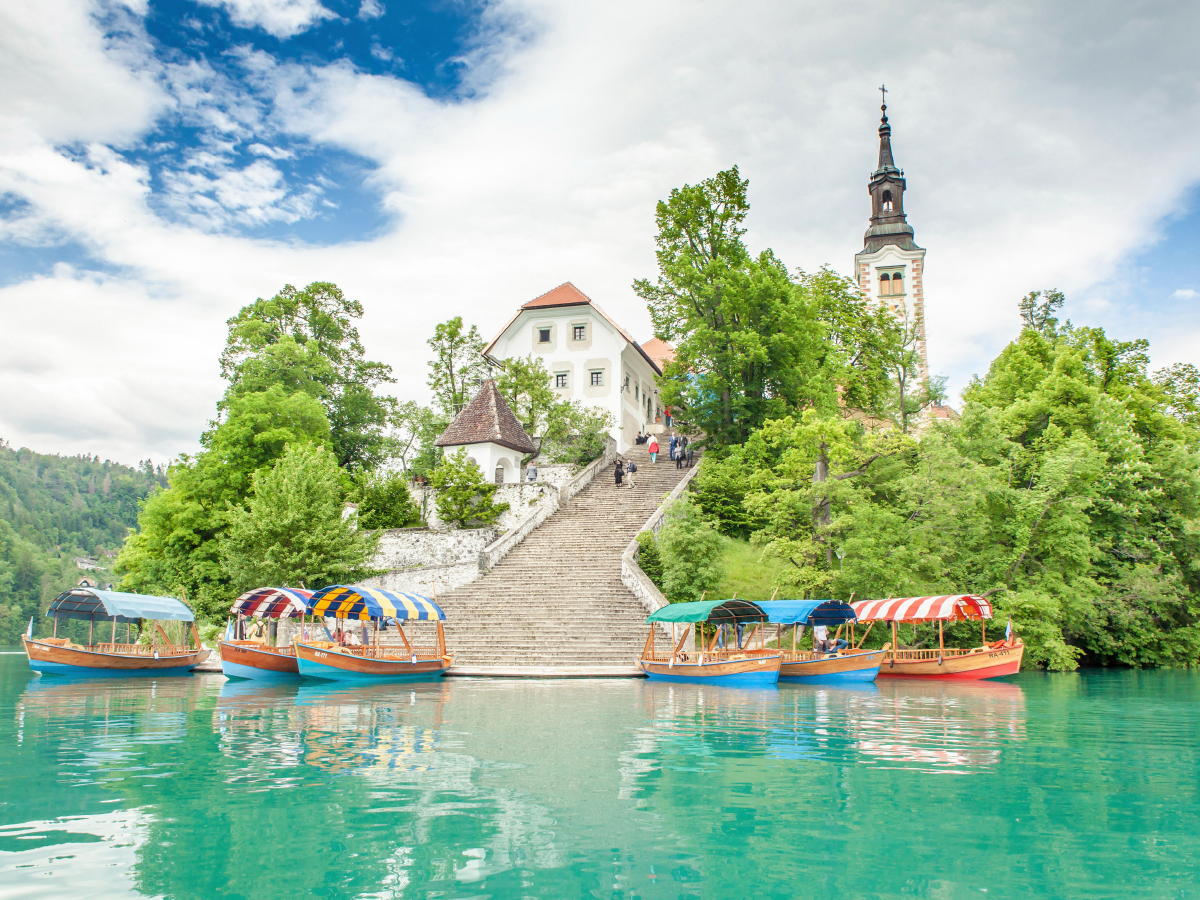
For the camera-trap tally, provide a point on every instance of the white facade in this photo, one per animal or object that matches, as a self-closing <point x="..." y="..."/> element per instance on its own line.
<point x="589" y="359"/>
<point x="892" y="278"/>
<point x="501" y="463"/>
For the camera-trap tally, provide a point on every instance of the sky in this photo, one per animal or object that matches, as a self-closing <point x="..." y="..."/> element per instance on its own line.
<point x="162" y="164"/>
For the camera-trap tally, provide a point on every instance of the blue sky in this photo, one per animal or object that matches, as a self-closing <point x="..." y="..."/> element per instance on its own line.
<point x="164" y="163"/>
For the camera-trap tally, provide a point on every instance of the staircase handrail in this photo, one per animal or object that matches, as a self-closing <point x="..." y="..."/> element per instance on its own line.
<point x="503" y="545"/>
<point x="631" y="572"/>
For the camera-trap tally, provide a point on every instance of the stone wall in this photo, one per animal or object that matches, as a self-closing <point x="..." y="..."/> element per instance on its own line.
<point x="522" y="498"/>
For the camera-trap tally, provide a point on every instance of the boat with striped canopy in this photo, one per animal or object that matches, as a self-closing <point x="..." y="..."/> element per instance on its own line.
<point x="841" y="666"/>
<point x="741" y="666"/>
<point x="243" y="657"/>
<point x="104" y="611"/>
<point x="994" y="660"/>
<point x="340" y="660"/>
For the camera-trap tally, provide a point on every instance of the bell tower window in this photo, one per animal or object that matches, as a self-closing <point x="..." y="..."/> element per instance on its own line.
<point x="885" y="284"/>
<point x="897" y="283"/>
<point x="887" y="201"/>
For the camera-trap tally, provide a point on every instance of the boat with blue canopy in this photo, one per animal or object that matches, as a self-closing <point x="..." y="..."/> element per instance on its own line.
<point x="715" y="662"/>
<point x="350" y="658"/>
<point x="105" y="611"/>
<point x="246" y="656"/>
<point x="838" y="661"/>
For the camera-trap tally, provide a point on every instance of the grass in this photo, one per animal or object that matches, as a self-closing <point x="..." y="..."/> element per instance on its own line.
<point x="748" y="574"/>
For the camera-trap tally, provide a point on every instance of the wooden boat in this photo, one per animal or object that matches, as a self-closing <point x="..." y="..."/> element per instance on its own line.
<point x="994" y="660"/>
<point x="336" y="661"/>
<point x="843" y="666"/>
<point x="61" y="656"/>
<point x="742" y="666"/>
<point x="241" y="658"/>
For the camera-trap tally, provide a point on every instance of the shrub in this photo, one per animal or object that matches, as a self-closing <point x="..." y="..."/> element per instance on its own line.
<point x="464" y="497"/>
<point x="692" y="553"/>
<point x="649" y="558"/>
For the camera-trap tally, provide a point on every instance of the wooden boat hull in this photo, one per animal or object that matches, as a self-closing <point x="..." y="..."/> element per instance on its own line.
<point x="328" y="664"/>
<point x="753" y="671"/>
<point x="860" y="666"/>
<point x="58" y="659"/>
<point x="992" y="663"/>
<point x="243" y="659"/>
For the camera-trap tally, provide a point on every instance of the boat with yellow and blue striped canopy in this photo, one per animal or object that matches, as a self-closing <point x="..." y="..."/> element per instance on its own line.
<point x="349" y="657"/>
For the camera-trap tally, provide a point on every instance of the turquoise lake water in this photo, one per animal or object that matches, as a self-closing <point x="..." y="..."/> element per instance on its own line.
<point x="1083" y="786"/>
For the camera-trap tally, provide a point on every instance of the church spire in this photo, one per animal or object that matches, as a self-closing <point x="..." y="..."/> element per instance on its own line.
<point x="885" y="137"/>
<point x="889" y="225"/>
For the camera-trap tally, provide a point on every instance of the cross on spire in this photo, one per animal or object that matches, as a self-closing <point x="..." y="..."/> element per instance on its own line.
<point x="883" y="94"/>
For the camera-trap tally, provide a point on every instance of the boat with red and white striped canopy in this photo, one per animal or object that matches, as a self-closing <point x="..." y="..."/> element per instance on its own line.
<point x="994" y="660"/>
<point x="242" y="657"/>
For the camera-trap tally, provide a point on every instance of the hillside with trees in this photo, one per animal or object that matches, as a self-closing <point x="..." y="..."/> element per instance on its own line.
<point x="52" y="510"/>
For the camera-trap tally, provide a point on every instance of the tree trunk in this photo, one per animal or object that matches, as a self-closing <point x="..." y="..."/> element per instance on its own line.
<point x="822" y="508"/>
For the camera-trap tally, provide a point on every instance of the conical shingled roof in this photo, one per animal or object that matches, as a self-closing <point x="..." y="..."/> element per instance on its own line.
<point x="485" y="419"/>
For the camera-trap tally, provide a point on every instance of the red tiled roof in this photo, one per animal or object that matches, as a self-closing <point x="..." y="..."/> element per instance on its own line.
<point x="659" y="351"/>
<point x="566" y="294"/>
<point x="485" y="419"/>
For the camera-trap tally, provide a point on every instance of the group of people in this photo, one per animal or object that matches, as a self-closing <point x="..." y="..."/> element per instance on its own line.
<point x="676" y="444"/>
<point x="621" y="471"/>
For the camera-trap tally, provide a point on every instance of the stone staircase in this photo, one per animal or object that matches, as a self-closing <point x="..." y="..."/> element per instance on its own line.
<point x="557" y="600"/>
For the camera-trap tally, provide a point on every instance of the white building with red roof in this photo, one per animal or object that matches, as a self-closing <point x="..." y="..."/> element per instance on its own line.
<point x="590" y="358"/>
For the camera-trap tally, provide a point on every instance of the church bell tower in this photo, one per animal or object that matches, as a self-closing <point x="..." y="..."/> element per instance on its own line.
<point x="890" y="268"/>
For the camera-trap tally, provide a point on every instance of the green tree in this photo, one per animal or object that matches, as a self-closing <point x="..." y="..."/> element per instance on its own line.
<point x="177" y="547"/>
<point x="577" y="433"/>
<point x="464" y="496"/>
<point x="691" y="549"/>
<point x="414" y="430"/>
<point x="524" y="383"/>
<point x="384" y="501"/>
<point x="746" y="342"/>
<point x="649" y="559"/>
<point x="457" y="368"/>
<point x="306" y="341"/>
<point x="293" y="533"/>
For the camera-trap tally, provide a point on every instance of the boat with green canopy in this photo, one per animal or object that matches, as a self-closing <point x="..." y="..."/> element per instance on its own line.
<point x="105" y="611"/>
<point x="820" y="665"/>
<point x="341" y="660"/>
<point x="742" y="665"/>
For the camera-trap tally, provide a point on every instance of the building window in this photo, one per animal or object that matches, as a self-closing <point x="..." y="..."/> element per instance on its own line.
<point x="636" y="395"/>
<point x="887" y="201"/>
<point x="897" y="283"/>
<point x="560" y="380"/>
<point x="543" y="335"/>
<point x="885" y="284"/>
<point x="580" y="332"/>
<point x="598" y="378"/>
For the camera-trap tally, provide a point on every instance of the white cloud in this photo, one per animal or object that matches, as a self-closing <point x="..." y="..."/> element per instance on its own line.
<point x="281" y="18"/>
<point x="370" y="9"/>
<point x="1184" y="294"/>
<point x="581" y="116"/>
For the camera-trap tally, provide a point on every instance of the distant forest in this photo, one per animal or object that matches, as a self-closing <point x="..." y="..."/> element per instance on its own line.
<point x="53" y="509"/>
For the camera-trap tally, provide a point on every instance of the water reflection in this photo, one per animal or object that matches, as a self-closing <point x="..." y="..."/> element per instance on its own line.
<point x="944" y="727"/>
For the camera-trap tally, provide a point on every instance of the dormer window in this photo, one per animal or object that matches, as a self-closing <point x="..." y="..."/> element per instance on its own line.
<point x="887" y="201"/>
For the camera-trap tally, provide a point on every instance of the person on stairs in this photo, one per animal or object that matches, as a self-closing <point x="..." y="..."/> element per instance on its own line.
<point x="672" y="444"/>
<point x="679" y="457"/>
<point x="629" y="470"/>
<point x="618" y="472"/>
<point x="653" y="448"/>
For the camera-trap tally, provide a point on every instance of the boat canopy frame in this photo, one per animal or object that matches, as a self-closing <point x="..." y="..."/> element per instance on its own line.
<point x="808" y="612"/>
<point x="715" y="612"/>
<point x="343" y="601"/>
<point x="114" y="606"/>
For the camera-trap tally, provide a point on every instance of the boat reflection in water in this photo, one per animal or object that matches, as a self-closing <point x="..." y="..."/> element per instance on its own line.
<point x="943" y="726"/>
<point x="959" y="727"/>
